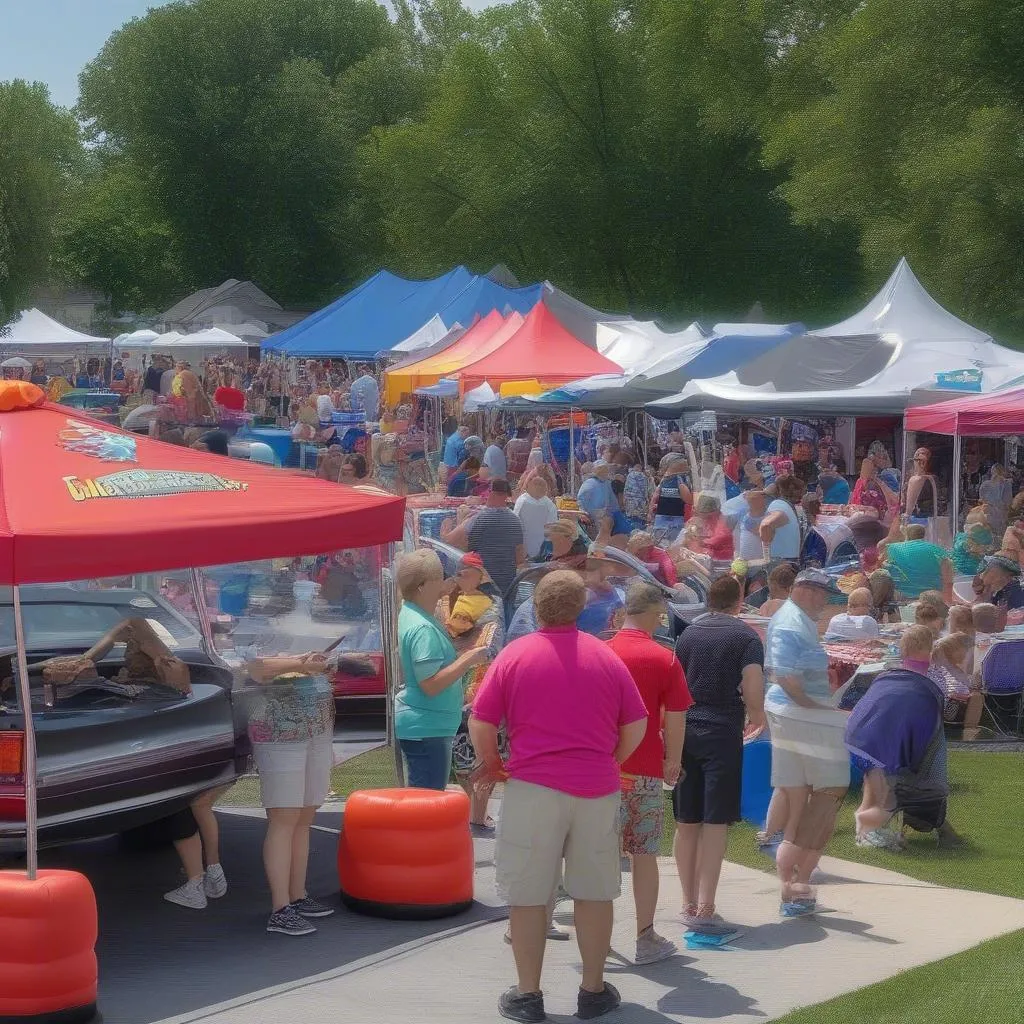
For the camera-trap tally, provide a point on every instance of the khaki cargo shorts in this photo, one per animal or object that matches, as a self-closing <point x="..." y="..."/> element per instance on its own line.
<point x="540" y="828"/>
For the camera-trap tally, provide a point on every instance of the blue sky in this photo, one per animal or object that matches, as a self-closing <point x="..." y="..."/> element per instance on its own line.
<point x="51" y="40"/>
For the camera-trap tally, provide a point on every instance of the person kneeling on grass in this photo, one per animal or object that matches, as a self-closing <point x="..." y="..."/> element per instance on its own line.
<point x="896" y="733"/>
<point x="660" y="680"/>
<point x="573" y="715"/>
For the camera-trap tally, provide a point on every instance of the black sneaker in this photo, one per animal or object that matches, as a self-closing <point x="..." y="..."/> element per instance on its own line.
<point x="527" y="1007"/>
<point x="309" y="907"/>
<point x="596" y="1004"/>
<point x="286" y="921"/>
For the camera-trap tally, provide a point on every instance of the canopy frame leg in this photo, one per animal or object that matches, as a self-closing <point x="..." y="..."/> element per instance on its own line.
<point x="29" y="766"/>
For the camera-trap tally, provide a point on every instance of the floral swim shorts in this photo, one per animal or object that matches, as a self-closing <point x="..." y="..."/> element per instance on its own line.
<point x="642" y="815"/>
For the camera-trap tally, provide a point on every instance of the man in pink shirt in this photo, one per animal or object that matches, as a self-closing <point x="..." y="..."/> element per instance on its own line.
<point x="573" y="714"/>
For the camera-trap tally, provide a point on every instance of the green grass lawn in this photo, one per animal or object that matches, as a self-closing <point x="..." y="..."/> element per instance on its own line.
<point x="985" y="983"/>
<point x="986" y="808"/>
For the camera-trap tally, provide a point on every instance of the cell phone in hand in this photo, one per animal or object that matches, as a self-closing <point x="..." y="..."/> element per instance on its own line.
<point x="336" y="643"/>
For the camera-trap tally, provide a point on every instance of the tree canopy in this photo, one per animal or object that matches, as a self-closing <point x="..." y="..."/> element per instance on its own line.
<point x="39" y="152"/>
<point x="673" y="158"/>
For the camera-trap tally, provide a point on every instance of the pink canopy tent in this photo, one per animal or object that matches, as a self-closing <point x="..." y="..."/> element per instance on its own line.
<point x="996" y="414"/>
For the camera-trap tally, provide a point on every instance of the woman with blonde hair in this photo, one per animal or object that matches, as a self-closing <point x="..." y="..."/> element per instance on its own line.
<point x="428" y="707"/>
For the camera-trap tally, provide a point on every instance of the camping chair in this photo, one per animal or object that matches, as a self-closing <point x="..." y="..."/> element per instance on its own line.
<point x="1002" y="677"/>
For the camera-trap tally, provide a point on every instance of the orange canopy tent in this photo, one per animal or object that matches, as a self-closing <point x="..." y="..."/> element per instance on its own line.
<point x="481" y="339"/>
<point x="542" y="349"/>
<point x="81" y="500"/>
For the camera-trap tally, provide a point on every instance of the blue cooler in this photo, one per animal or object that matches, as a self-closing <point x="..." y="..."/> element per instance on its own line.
<point x="756" y="793"/>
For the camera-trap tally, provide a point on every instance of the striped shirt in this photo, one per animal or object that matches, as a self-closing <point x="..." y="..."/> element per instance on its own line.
<point x="494" y="534"/>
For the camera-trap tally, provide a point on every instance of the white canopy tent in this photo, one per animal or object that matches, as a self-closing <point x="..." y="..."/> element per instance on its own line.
<point x="137" y="339"/>
<point x="869" y="364"/>
<point x="195" y="348"/>
<point x="34" y="335"/>
<point x="433" y="331"/>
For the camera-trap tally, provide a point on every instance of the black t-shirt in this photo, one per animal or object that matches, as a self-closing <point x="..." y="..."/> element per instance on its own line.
<point x="152" y="380"/>
<point x="714" y="650"/>
<point x="1010" y="597"/>
<point x="670" y="501"/>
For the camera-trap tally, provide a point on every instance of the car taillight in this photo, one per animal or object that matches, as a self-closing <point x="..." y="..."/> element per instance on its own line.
<point x="12" y="756"/>
<point x="12" y="776"/>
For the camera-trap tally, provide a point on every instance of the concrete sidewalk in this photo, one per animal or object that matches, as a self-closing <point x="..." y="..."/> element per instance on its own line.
<point x="881" y="923"/>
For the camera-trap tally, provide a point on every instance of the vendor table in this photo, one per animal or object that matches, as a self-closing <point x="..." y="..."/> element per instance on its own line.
<point x="845" y="658"/>
<point x="279" y="439"/>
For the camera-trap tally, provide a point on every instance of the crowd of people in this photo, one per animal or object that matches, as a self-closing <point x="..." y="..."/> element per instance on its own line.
<point x="585" y="719"/>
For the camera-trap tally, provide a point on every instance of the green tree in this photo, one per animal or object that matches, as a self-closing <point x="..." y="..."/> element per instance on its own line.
<point x="241" y="122"/>
<point x="115" y="240"/>
<point x="39" y="154"/>
<point x="612" y="146"/>
<point x="904" y="120"/>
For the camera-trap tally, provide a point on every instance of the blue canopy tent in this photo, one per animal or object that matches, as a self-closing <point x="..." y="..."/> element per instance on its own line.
<point x="386" y="309"/>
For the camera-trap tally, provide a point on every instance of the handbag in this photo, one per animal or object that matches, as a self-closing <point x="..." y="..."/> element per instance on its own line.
<point x="937" y="528"/>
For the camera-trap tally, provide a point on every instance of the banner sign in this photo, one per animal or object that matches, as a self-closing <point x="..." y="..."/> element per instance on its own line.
<point x="959" y="380"/>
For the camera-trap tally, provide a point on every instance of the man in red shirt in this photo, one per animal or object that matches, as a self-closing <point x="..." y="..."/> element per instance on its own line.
<point x="659" y="678"/>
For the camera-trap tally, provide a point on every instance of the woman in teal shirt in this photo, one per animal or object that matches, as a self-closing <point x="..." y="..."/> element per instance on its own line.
<point x="428" y="708"/>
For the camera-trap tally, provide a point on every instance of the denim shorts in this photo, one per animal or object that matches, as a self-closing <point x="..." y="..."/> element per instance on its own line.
<point x="428" y="762"/>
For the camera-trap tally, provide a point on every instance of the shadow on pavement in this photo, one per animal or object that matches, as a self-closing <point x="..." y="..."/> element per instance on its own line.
<point x="158" y="960"/>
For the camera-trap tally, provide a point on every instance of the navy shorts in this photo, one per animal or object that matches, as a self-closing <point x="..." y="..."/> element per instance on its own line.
<point x="709" y="791"/>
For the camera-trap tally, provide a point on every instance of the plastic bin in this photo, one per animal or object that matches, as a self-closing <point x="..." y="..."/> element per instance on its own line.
<point x="233" y="598"/>
<point x="756" y="792"/>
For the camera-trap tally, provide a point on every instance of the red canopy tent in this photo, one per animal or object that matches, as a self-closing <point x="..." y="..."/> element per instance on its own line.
<point x="480" y="340"/>
<point x="541" y="349"/>
<point x="993" y="415"/>
<point x="80" y="500"/>
<point x="66" y="514"/>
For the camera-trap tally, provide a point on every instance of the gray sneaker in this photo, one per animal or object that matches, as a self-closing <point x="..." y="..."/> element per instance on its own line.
<point x="286" y="921"/>
<point x="652" y="947"/>
<point x="189" y="895"/>
<point x="309" y="907"/>
<point x="708" y="925"/>
<point x="215" y="885"/>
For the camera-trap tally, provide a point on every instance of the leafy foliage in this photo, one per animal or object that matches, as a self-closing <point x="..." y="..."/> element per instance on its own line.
<point x="676" y="158"/>
<point x="39" y="151"/>
<point x="909" y="128"/>
<point x="241" y="120"/>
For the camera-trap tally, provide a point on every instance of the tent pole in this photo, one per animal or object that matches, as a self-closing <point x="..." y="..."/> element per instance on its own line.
<point x="955" y="503"/>
<point x="646" y="437"/>
<point x="199" y="599"/>
<point x="25" y="696"/>
<point x="904" y="472"/>
<point x="572" y="454"/>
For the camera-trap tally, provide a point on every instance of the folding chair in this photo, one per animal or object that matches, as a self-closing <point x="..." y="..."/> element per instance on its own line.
<point x="1002" y="677"/>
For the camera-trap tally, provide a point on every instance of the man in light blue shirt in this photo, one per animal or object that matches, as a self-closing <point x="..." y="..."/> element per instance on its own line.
<point x="494" y="458"/>
<point x="810" y="763"/>
<point x="455" y="448"/>
<point x="365" y="396"/>
<point x="595" y="495"/>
